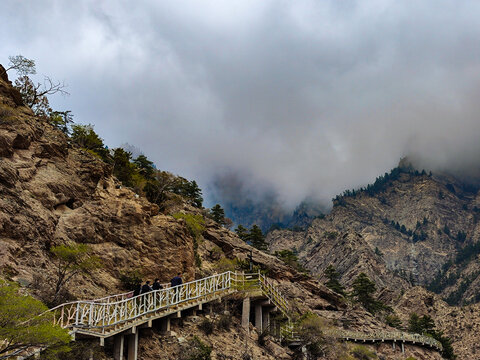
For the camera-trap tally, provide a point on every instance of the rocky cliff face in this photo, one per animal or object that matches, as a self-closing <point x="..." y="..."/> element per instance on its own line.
<point x="52" y="193"/>
<point x="461" y="324"/>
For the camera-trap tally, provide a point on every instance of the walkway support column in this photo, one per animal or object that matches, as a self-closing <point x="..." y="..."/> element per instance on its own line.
<point x="165" y="325"/>
<point x="246" y="312"/>
<point x="118" y="343"/>
<point x="258" y="318"/>
<point x="133" y="346"/>
<point x="265" y="318"/>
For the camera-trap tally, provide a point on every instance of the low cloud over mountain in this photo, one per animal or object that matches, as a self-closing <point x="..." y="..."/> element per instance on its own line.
<point x="300" y="99"/>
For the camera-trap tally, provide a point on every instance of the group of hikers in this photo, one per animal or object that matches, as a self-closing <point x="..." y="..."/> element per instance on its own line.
<point x="145" y="288"/>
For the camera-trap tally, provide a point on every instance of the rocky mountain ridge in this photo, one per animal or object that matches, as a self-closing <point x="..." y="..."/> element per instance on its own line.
<point x="400" y="236"/>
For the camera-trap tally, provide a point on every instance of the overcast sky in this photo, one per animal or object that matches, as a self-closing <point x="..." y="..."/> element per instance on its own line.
<point x="304" y="98"/>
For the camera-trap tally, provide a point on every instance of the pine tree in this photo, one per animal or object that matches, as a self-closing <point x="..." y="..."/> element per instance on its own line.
<point x="256" y="238"/>
<point x="393" y="321"/>
<point x="242" y="232"/>
<point x="218" y="215"/>
<point x="21" y="328"/>
<point x="71" y="260"/>
<point x="364" y="290"/>
<point x="414" y="324"/>
<point x="145" y="167"/>
<point x="85" y="137"/>
<point x="333" y="283"/>
<point x="194" y="193"/>
<point x="123" y="169"/>
<point x="61" y="120"/>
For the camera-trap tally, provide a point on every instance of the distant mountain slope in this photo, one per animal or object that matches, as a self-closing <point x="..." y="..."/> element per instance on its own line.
<point x="406" y="227"/>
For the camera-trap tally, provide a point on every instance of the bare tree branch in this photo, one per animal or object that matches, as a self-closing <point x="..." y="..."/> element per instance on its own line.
<point x="50" y="87"/>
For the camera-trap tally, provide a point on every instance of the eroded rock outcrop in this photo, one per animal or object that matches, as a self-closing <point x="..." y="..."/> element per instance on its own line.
<point x="52" y="193"/>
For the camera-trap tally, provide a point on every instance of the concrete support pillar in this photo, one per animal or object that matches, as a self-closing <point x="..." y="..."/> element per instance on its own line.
<point x="403" y="348"/>
<point x="246" y="312"/>
<point x="165" y="326"/>
<point x="393" y="344"/>
<point x="265" y="318"/>
<point x="304" y="353"/>
<point x="118" y="343"/>
<point x="133" y="346"/>
<point x="258" y="318"/>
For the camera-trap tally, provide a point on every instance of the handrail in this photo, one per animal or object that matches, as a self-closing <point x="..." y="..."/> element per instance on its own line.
<point x="386" y="335"/>
<point x="94" y="314"/>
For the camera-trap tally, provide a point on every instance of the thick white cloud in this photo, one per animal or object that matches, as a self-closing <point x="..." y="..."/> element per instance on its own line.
<point x="306" y="98"/>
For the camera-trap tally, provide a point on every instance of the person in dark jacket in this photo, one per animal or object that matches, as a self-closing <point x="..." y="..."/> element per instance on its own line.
<point x="156" y="285"/>
<point x="177" y="280"/>
<point x="146" y="287"/>
<point x="138" y="290"/>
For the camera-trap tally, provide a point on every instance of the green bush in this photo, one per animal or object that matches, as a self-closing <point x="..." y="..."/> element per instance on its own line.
<point x="131" y="279"/>
<point x="363" y="353"/>
<point x="330" y="235"/>
<point x="196" y="227"/>
<point x="197" y="350"/>
<point x="310" y="331"/>
<point x="206" y="326"/>
<point x="225" y="322"/>
<point x="393" y="321"/>
<point x="195" y="223"/>
<point x="291" y="259"/>
<point x="225" y="264"/>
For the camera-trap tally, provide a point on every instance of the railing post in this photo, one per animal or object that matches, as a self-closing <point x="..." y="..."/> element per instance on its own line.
<point x="61" y="314"/>
<point x="91" y="313"/>
<point x="77" y="313"/>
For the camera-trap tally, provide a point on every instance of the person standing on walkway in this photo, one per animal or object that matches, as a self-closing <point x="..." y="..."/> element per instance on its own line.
<point x="156" y="285"/>
<point x="145" y="299"/>
<point x="177" y="280"/>
<point x="138" y="289"/>
<point x="146" y="287"/>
